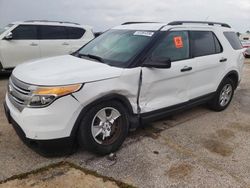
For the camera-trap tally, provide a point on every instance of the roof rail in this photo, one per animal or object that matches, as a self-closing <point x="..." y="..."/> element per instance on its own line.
<point x="128" y="23"/>
<point x="52" y="21"/>
<point x="199" y="22"/>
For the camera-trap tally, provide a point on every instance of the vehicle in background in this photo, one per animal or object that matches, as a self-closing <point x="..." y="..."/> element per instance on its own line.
<point x="133" y="73"/>
<point x="246" y="45"/>
<point x="97" y="34"/>
<point x="24" y="41"/>
<point x="244" y="36"/>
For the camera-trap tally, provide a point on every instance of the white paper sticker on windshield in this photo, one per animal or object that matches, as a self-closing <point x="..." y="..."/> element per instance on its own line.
<point x="144" y="33"/>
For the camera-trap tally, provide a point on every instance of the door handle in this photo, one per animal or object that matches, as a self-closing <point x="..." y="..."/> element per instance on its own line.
<point x="186" y="68"/>
<point x="33" y="44"/>
<point x="223" y="59"/>
<point x="65" y="43"/>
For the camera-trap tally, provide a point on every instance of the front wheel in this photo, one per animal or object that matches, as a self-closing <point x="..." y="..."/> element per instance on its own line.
<point x="223" y="96"/>
<point x="104" y="127"/>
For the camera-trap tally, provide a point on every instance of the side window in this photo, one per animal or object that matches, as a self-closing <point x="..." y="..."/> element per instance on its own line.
<point x="204" y="43"/>
<point x="218" y="47"/>
<point x="75" y="33"/>
<point x="233" y="39"/>
<point x="25" y="32"/>
<point x="174" y="45"/>
<point x="52" y="32"/>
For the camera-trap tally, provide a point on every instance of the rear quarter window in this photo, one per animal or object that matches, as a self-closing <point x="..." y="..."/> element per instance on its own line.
<point x="75" y="33"/>
<point x="233" y="39"/>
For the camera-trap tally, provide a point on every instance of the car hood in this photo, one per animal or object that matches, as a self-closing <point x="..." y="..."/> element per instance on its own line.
<point x="64" y="70"/>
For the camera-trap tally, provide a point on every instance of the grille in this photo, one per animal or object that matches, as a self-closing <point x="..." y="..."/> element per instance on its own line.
<point x="19" y="93"/>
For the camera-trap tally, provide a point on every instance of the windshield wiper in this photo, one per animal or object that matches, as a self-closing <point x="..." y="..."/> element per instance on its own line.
<point x="92" y="57"/>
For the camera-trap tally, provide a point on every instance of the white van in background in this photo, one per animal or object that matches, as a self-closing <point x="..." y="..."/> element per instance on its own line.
<point x="29" y="40"/>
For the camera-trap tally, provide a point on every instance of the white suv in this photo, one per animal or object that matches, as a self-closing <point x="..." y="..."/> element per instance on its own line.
<point x="25" y="41"/>
<point x="133" y="73"/>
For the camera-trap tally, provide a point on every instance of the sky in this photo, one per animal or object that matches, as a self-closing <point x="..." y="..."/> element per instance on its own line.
<point x="104" y="14"/>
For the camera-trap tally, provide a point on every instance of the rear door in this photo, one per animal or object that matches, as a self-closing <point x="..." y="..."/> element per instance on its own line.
<point x="53" y="40"/>
<point x="210" y="62"/>
<point x="76" y="38"/>
<point x="167" y="87"/>
<point x="24" y="46"/>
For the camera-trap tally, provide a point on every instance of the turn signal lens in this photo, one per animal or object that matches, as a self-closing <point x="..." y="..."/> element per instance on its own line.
<point x="44" y="96"/>
<point x="57" y="91"/>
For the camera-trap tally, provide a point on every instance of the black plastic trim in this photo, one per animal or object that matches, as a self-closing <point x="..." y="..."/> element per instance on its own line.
<point x="164" y="112"/>
<point x="235" y="73"/>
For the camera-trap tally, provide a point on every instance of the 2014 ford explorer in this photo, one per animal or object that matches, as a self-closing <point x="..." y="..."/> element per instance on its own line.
<point x="132" y="73"/>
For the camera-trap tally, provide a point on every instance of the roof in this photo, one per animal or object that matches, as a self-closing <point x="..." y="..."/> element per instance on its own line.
<point x="141" y="26"/>
<point x="47" y="22"/>
<point x="200" y="22"/>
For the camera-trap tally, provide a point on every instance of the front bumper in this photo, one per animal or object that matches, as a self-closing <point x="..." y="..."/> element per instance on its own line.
<point x="47" y="148"/>
<point x="53" y="122"/>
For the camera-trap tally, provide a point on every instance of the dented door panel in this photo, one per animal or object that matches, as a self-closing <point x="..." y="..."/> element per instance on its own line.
<point x="164" y="87"/>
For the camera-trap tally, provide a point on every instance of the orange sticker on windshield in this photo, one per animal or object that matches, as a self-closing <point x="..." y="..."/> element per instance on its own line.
<point x="178" y="42"/>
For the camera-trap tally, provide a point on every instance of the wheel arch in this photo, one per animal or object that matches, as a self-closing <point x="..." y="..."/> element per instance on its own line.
<point x="134" y="120"/>
<point x="234" y="76"/>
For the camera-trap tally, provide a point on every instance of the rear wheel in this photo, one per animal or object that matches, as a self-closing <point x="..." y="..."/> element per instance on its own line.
<point x="223" y="96"/>
<point x="104" y="127"/>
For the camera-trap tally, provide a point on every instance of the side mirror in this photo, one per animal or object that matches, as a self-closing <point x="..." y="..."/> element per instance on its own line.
<point x="9" y="36"/>
<point x="159" y="62"/>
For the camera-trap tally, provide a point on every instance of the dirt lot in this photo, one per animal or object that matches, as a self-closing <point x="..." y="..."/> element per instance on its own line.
<point x="197" y="148"/>
<point x="61" y="175"/>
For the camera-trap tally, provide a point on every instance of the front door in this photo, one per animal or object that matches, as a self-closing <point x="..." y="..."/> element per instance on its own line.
<point x="24" y="46"/>
<point x="167" y="87"/>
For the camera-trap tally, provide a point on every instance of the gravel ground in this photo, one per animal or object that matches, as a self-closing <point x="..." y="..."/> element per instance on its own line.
<point x="197" y="148"/>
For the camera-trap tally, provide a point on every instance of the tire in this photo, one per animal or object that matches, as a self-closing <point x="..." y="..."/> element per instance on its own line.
<point x="91" y="124"/>
<point x="216" y="102"/>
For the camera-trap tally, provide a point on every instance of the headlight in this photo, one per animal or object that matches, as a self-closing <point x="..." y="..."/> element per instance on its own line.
<point x="43" y="96"/>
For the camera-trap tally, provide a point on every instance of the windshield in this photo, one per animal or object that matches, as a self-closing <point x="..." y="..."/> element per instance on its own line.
<point x="5" y="28"/>
<point x="116" y="47"/>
